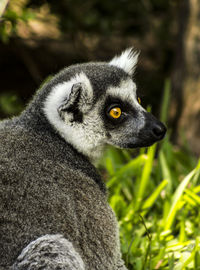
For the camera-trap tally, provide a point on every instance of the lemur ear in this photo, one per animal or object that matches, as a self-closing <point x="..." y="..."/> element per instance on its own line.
<point x="79" y="100"/>
<point x="126" y="61"/>
<point x="72" y="100"/>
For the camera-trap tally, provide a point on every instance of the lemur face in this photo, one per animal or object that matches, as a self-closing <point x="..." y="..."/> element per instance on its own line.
<point x="95" y="104"/>
<point x="127" y="123"/>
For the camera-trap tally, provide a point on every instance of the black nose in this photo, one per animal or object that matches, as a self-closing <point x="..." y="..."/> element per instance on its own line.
<point x="159" y="130"/>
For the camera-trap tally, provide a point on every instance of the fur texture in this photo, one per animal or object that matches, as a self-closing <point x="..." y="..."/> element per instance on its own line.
<point x="126" y="61"/>
<point x="53" y="204"/>
<point x="48" y="251"/>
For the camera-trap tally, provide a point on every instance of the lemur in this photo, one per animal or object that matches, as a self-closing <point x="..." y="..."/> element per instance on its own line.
<point x="54" y="212"/>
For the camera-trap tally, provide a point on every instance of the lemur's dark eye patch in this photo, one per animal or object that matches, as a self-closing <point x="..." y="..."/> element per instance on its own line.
<point x="117" y="111"/>
<point x="113" y="114"/>
<point x="114" y="101"/>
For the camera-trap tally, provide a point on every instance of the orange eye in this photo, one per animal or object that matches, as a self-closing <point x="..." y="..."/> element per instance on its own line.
<point x="115" y="112"/>
<point x="139" y="100"/>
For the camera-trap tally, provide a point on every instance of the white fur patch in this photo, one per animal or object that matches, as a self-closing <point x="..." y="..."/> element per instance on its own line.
<point x="67" y="257"/>
<point x="60" y="93"/>
<point x="126" y="61"/>
<point x="126" y="92"/>
<point x="85" y="137"/>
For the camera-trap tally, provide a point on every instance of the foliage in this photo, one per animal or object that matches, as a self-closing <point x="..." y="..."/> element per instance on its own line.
<point x="156" y="197"/>
<point x="11" y="18"/>
<point x="106" y="17"/>
<point x="122" y="17"/>
<point x="157" y="203"/>
<point x="10" y="104"/>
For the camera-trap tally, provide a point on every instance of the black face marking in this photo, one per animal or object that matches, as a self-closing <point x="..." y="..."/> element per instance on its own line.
<point x="108" y="135"/>
<point x="153" y="131"/>
<point x="126" y="108"/>
<point x="153" y="127"/>
<point x="74" y="109"/>
<point x="78" y="116"/>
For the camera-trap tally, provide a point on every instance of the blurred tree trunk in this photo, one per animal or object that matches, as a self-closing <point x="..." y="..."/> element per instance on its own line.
<point x="3" y="4"/>
<point x="186" y="76"/>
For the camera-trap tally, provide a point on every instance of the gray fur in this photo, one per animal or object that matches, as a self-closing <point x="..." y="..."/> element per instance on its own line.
<point x="49" y="251"/>
<point x="48" y="185"/>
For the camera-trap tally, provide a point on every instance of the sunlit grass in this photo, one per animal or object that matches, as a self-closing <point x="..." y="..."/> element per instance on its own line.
<point x="159" y="220"/>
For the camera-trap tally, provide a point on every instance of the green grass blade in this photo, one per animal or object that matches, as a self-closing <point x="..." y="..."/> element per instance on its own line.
<point x="197" y="260"/>
<point x="171" y="261"/>
<point x="177" y="197"/>
<point x="165" y="170"/>
<point x="150" y="201"/>
<point x="195" y="197"/>
<point x="165" y="103"/>
<point x="192" y="256"/>
<point x="182" y="235"/>
<point x="145" y="175"/>
<point x="127" y="169"/>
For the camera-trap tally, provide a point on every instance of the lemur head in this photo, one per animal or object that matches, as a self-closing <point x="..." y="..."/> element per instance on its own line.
<point x="95" y="104"/>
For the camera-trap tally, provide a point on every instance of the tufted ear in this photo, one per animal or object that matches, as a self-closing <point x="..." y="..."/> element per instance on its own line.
<point x="78" y="101"/>
<point x="126" y="61"/>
